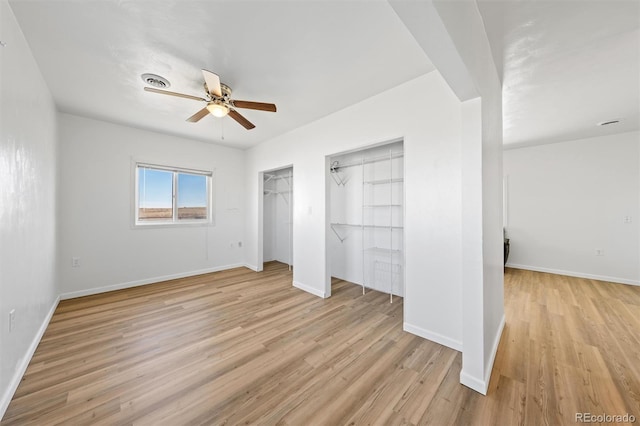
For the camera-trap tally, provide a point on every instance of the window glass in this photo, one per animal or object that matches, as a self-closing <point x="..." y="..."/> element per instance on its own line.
<point x="192" y="196"/>
<point x="155" y="195"/>
<point x="168" y="195"/>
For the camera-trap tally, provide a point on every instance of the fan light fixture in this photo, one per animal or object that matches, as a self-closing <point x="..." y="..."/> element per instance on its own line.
<point x="217" y="110"/>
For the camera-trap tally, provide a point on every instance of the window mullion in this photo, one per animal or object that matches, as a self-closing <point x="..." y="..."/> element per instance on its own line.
<point x="175" y="196"/>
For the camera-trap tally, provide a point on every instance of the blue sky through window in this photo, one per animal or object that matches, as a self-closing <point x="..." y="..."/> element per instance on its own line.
<point x="155" y="189"/>
<point x="192" y="190"/>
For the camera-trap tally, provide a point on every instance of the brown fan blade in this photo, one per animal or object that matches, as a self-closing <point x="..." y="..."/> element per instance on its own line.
<point x="180" y="95"/>
<point x="240" y="119"/>
<point x="198" y="115"/>
<point x="255" y="105"/>
<point x="213" y="83"/>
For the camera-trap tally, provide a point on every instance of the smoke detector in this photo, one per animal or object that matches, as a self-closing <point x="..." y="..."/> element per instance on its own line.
<point x="155" y="80"/>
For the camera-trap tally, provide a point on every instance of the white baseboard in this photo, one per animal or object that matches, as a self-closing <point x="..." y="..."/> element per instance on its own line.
<point x="494" y="352"/>
<point x="433" y="336"/>
<point x="26" y="359"/>
<point x="574" y="274"/>
<point x="104" y="289"/>
<point x="254" y="268"/>
<point x="473" y="383"/>
<point x="482" y="385"/>
<point x="311" y="290"/>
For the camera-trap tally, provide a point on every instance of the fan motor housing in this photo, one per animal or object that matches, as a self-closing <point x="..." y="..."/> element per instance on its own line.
<point x="226" y="91"/>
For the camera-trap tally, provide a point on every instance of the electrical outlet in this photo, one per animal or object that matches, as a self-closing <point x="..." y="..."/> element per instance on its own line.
<point x="12" y="320"/>
<point x="599" y="252"/>
<point x="75" y="262"/>
<point x="627" y="219"/>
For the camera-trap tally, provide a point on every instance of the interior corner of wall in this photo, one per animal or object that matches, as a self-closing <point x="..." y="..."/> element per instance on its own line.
<point x="447" y="341"/>
<point x="309" y="289"/>
<point x="252" y="267"/>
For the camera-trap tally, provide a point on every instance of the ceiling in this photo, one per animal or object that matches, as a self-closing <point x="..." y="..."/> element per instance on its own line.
<point x="566" y="65"/>
<point x="310" y="58"/>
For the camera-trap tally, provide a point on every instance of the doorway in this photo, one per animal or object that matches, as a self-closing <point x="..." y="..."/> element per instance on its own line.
<point x="277" y="214"/>
<point x="366" y="217"/>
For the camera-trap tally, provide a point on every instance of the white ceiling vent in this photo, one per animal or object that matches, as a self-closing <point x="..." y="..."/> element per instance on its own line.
<point x="155" y="80"/>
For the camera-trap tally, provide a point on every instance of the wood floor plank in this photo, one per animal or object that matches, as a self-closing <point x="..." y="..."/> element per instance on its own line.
<point x="240" y="347"/>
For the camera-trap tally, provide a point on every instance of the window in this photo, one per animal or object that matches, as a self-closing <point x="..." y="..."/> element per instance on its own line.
<point x="169" y="195"/>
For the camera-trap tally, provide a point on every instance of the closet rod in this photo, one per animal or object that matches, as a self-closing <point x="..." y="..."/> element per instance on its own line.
<point x="369" y="161"/>
<point x="270" y="176"/>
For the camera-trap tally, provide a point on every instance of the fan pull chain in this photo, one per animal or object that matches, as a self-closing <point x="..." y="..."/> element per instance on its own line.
<point x="222" y="128"/>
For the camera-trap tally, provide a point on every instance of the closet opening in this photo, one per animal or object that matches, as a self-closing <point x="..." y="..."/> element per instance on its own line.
<point x="365" y="237"/>
<point x="277" y="217"/>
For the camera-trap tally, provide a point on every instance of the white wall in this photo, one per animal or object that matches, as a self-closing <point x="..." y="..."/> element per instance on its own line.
<point x="486" y="318"/>
<point x="453" y="36"/>
<point x="95" y="196"/>
<point x="429" y="123"/>
<point x="565" y="200"/>
<point x="27" y="204"/>
<point x="466" y="28"/>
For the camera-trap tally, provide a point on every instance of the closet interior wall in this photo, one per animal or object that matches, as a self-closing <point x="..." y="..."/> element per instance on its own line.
<point x="367" y="217"/>
<point x="277" y="210"/>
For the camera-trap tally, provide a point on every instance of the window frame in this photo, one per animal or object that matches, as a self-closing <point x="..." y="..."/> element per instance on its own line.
<point x="174" y="221"/>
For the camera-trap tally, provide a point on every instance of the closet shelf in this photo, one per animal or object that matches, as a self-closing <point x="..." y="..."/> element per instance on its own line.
<point x="382" y="250"/>
<point x="269" y="177"/>
<point x="335" y="226"/>
<point x="271" y="192"/>
<point x="338" y="166"/>
<point x="357" y="225"/>
<point x="284" y="194"/>
<point x="383" y="181"/>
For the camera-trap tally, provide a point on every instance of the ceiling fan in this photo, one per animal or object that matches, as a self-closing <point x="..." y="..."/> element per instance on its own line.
<point x="219" y="102"/>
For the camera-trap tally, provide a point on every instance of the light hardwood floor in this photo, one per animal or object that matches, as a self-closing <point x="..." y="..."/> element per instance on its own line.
<point x="239" y="347"/>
